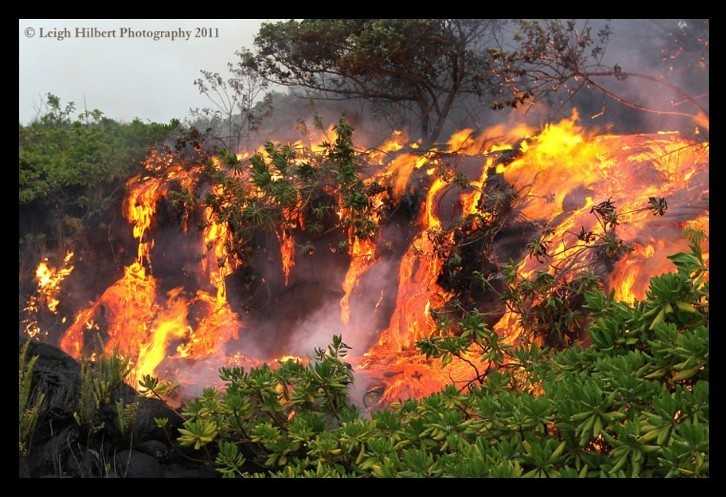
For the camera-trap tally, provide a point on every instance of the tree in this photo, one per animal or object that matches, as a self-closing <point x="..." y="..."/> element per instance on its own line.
<point x="235" y="100"/>
<point x="413" y="65"/>
<point x="564" y="56"/>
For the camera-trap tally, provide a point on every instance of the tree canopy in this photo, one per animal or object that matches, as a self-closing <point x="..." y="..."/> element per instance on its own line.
<point x="419" y="65"/>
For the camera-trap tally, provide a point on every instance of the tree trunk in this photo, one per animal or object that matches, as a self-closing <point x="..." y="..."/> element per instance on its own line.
<point x="425" y="130"/>
<point x="436" y="132"/>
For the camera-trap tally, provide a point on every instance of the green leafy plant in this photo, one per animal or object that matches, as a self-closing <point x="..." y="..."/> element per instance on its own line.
<point x="30" y="401"/>
<point x="125" y="416"/>
<point x="100" y="378"/>
<point x="632" y="404"/>
<point x="292" y="191"/>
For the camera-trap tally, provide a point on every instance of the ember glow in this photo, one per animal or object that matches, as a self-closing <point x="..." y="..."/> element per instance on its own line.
<point x="559" y="171"/>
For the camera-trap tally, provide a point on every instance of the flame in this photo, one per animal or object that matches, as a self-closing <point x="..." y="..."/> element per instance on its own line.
<point x="218" y="325"/>
<point x="400" y="170"/>
<point x="701" y="120"/>
<point x="559" y="172"/>
<point x="218" y="262"/>
<point x="138" y="325"/>
<point x="127" y="308"/>
<point x="49" y="280"/>
<point x="417" y="290"/>
<point x="287" y="254"/>
<point x="362" y="256"/>
<point x="287" y="241"/>
<point x="394" y="143"/>
<point x="564" y="160"/>
<point x="431" y="221"/>
<point x="170" y="323"/>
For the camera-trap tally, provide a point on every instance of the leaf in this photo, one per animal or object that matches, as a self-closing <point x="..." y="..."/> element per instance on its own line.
<point x="650" y="435"/>
<point x="583" y="472"/>
<point x="685" y="374"/>
<point x="658" y="319"/>
<point x="620" y="463"/>
<point x="686" y="307"/>
<point x="558" y="451"/>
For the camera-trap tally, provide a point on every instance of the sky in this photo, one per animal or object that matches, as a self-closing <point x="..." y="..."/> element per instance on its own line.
<point x="124" y="77"/>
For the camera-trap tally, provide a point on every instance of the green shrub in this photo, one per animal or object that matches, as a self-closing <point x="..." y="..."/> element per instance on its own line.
<point x="70" y="167"/>
<point x="99" y="379"/>
<point x="30" y="401"/>
<point x="633" y="404"/>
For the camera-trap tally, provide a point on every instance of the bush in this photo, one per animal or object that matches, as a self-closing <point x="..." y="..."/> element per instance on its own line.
<point x="71" y="167"/>
<point x="100" y="378"/>
<point x="633" y="404"/>
<point x="30" y="401"/>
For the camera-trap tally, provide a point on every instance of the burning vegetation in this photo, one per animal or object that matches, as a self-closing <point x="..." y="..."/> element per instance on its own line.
<point x="531" y="294"/>
<point x="557" y="210"/>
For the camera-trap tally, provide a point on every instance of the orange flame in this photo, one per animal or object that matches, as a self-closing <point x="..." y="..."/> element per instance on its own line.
<point x="49" y="280"/>
<point x="559" y="173"/>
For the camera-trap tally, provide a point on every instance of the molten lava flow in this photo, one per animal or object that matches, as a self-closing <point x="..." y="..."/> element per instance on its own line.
<point x="362" y="251"/>
<point x="418" y="291"/>
<point x="559" y="173"/>
<point x="362" y="256"/>
<point x="137" y="324"/>
<point x="218" y="262"/>
<point x="127" y="308"/>
<point x="140" y="207"/>
<point x="564" y="171"/>
<point x="564" y="168"/>
<point x="218" y="324"/>
<point x="129" y="305"/>
<point x="287" y="254"/>
<point x="170" y="323"/>
<point x="394" y="357"/>
<point x="399" y="172"/>
<point x="290" y="217"/>
<point x="395" y="142"/>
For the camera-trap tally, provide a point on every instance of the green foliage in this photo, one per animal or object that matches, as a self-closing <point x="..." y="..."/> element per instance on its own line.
<point x="399" y="64"/>
<point x="229" y="461"/>
<point x="73" y="166"/>
<point x="30" y="401"/>
<point x="276" y="413"/>
<point x="633" y="404"/>
<point x="125" y="416"/>
<point x="293" y="181"/>
<point x="152" y="386"/>
<point x="99" y="380"/>
<point x="197" y="433"/>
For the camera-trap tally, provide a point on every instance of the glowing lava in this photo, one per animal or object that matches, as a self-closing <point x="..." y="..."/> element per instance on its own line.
<point x="559" y="172"/>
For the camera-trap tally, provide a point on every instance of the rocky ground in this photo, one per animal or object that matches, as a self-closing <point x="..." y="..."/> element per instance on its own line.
<point x="62" y="448"/>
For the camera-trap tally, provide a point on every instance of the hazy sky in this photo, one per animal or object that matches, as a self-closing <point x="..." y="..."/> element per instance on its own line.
<point x="124" y="77"/>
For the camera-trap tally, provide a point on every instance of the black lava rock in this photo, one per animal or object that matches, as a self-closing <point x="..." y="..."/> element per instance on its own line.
<point x="59" y="377"/>
<point x="135" y="464"/>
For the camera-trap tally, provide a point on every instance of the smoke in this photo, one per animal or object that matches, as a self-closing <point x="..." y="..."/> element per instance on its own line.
<point x="650" y="48"/>
<point x="307" y="315"/>
<point x="667" y="49"/>
<point x="645" y="47"/>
